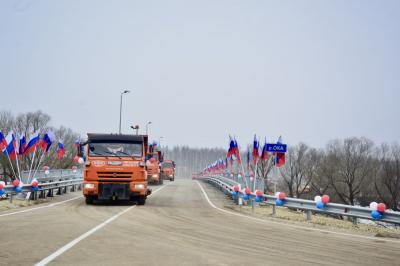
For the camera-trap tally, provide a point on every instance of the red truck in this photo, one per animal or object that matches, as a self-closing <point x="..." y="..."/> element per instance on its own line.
<point x="168" y="170"/>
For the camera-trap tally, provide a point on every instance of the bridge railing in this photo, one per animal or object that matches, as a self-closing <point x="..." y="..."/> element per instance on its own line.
<point x="58" y="181"/>
<point x="309" y="206"/>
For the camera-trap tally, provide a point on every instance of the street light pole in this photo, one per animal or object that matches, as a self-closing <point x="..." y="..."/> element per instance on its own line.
<point x="147" y="127"/>
<point x="120" y="109"/>
<point x="159" y="141"/>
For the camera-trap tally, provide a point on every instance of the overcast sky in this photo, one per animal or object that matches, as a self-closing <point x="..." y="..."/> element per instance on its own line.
<point x="310" y="71"/>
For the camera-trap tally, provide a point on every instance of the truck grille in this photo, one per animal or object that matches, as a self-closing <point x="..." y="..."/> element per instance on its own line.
<point x="114" y="174"/>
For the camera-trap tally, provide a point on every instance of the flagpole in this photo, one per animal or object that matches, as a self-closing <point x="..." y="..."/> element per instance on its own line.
<point x="12" y="167"/>
<point x="30" y="169"/>
<point x="37" y="168"/>
<point x="19" y="170"/>
<point x="255" y="175"/>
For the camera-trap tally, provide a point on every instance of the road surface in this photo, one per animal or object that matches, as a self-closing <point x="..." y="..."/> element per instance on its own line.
<point x="177" y="226"/>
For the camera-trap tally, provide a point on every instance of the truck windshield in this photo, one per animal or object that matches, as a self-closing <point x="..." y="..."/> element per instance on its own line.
<point x="167" y="165"/>
<point x="115" y="149"/>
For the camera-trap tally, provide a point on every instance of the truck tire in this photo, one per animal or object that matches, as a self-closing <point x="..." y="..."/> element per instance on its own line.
<point x="89" y="200"/>
<point x="141" y="200"/>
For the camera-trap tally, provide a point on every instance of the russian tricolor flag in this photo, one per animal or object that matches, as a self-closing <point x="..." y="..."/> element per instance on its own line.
<point x="11" y="149"/>
<point x="46" y="141"/>
<point x="3" y="142"/>
<point x="280" y="156"/>
<point x="22" y="144"/>
<point x="264" y="153"/>
<point x="33" y="143"/>
<point x="256" y="146"/>
<point x="60" y="150"/>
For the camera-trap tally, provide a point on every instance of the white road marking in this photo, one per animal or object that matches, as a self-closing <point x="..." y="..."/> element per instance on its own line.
<point x="69" y="245"/>
<point x="41" y="207"/>
<point x="291" y="225"/>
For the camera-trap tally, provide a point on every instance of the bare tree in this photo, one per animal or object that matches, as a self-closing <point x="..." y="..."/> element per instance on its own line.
<point x="354" y="164"/>
<point x="387" y="181"/>
<point x="298" y="170"/>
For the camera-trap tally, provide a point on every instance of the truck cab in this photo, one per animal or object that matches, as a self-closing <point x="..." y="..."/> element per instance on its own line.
<point x="115" y="168"/>
<point x="153" y="166"/>
<point x="168" y="170"/>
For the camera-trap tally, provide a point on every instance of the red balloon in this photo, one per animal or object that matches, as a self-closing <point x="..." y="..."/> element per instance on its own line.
<point x="258" y="193"/>
<point x="247" y="191"/>
<point x="325" y="199"/>
<point x="16" y="183"/>
<point x="282" y="196"/>
<point x="381" y="207"/>
<point x="45" y="167"/>
<point x="236" y="188"/>
<point x="152" y="160"/>
<point x="34" y="183"/>
<point x="1" y="186"/>
<point x="76" y="158"/>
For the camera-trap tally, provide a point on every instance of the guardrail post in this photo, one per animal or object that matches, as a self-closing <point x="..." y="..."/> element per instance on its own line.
<point x="80" y="187"/>
<point x="273" y="209"/>
<point x="309" y="215"/>
<point x="252" y="206"/>
<point x="65" y="189"/>
<point x="59" y="191"/>
<point x="72" y="188"/>
<point x="50" y="193"/>
<point x="11" y="197"/>
<point x="354" y="220"/>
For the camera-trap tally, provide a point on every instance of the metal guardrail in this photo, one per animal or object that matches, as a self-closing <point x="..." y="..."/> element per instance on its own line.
<point x="59" y="180"/>
<point x="309" y="206"/>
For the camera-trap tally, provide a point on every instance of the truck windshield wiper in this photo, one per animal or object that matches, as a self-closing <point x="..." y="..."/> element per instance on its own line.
<point x="125" y="153"/>
<point x="113" y="153"/>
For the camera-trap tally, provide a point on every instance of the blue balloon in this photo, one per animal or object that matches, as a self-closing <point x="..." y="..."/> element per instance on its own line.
<point x="234" y="194"/>
<point x="320" y="205"/>
<point x="2" y="192"/>
<point x="18" y="189"/>
<point x="258" y="199"/>
<point x="35" y="188"/>
<point x="246" y="197"/>
<point x="376" y="215"/>
<point x="279" y="202"/>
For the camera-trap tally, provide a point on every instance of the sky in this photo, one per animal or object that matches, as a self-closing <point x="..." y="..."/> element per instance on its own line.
<point x="311" y="71"/>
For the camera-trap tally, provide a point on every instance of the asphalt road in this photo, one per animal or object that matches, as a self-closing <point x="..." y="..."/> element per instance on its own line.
<point x="177" y="226"/>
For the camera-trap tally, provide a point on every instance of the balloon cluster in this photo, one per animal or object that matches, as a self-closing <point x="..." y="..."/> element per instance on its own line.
<point x="246" y="194"/>
<point x="280" y="198"/>
<point x="46" y="170"/>
<point x="79" y="160"/>
<point x="259" y="195"/>
<point x="235" y="192"/>
<point x="321" y="201"/>
<point x="74" y="169"/>
<point x="35" y="185"/>
<point x="2" y="190"/>
<point x="17" y="185"/>
<point x="377" y="210"/>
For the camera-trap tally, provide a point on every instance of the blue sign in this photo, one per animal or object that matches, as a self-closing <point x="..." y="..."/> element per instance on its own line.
<point x="276" y="147"/>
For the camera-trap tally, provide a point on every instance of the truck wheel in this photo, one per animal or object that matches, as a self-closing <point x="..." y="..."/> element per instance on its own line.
<point x="89" y="200"/>
<point x="141" y="200"/>
<point x="171" y="179"/>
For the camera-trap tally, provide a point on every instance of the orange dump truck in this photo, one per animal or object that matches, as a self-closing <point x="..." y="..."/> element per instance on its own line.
<point x="168" y="170"/>
<point x="153" y="167"/>
<point x="115" y="168"/>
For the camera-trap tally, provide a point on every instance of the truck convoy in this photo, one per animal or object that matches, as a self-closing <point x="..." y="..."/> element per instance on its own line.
<point x="115" y="167"/>
<point x="168" y="170"/>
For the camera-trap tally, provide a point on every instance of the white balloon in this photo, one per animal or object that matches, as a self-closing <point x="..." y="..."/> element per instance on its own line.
<point x="251" y="179"/>
<point x="373" y="206"/>
<point x="81" y="161"/>
<point x="3" y="183"/>
<point x="317" y="198"/>
<point x="277" y="194"/>
<point x="46" y="172"/>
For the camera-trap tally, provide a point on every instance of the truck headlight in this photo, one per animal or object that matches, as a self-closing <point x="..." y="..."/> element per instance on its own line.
<point x="170" y="175"/>
<point x="155" y="176"/>
<point x="88" y="186"/>
<point x="139" y="186"/>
